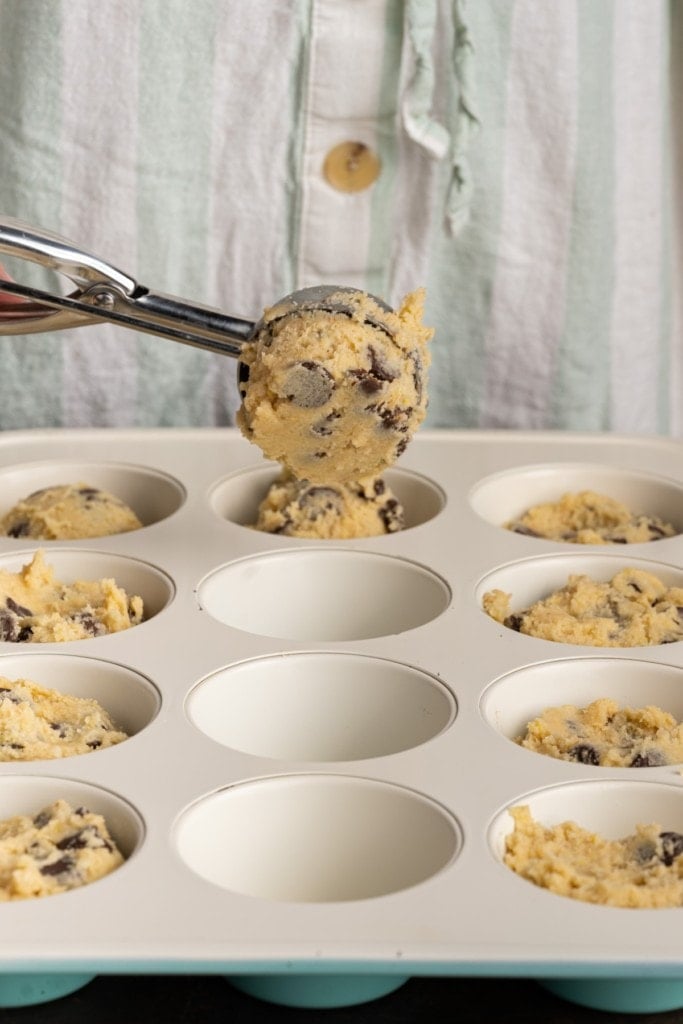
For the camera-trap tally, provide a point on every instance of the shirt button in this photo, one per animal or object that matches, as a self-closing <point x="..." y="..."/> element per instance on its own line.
<point x="351" y="167"/>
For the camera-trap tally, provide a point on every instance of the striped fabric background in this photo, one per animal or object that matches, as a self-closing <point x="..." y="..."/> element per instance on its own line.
<point x="526" y="181"/>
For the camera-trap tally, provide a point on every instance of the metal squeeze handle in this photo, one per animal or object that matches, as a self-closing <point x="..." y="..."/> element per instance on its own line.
<point x="106" y="293"/>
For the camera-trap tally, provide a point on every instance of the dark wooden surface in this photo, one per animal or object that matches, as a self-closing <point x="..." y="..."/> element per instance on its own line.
<point x="189" y="1000"/>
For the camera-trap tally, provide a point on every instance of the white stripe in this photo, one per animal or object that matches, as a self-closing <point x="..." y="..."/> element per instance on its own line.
<point x="347" y="46"/>
<point x="248" y="200"/>
<point x="677" y="233"/>
<point x="639" y="132"/>
<point x="98" y="207"/>
<point x="527" y="311"/>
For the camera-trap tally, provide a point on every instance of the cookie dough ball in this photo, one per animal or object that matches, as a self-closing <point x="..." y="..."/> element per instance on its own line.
<point x="36" y="608"/>
<point x="297" y="508"/>
<point x="334" y="397"/>
<point x="37" y="723"/>
<point x="69" y="512"/>
<point x="633" y="609"/>
<point x="605" y="734"/>
<point x="57" y="849"/>
<point x="590" y="518"/>
<point x="643" y="870"/>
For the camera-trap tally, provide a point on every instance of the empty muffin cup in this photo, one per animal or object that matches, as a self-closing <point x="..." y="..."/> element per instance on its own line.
<point x="316" y="838"/>
<point x="322" y="706"/>
<point x="323" y="594"/>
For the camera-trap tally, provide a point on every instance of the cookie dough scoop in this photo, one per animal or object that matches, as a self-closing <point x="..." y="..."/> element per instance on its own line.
<point x="332" y="380"/>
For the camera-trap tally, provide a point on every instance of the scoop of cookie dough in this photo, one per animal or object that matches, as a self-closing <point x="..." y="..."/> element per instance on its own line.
<point x="69" y="512"/>
<point x="57" y="849"/>
<point x="605" y="734"/>
<point x="643" y="870"/>
<point x="297" y="508"/>
<point x="590" y="518"/>
<point x="633" y="609"/>
<point x="334" y="397"/>
<point x="37" y="723"/>
<point x="35" y="607"/>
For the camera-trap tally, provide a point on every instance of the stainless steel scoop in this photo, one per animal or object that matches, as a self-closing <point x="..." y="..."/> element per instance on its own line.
<point x="104" y="293"/>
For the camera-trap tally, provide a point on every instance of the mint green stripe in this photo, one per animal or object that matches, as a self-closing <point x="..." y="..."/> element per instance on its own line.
<point x="30" y="117"/>
<point x="462" y="268"/>
<point x="377" y="278"/>
<point x="176" y="55"/>
<point x="674" y="32"/>
<point x="580" y="398"/>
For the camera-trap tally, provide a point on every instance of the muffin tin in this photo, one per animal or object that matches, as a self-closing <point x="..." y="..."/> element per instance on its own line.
<point x="313" y="798"/>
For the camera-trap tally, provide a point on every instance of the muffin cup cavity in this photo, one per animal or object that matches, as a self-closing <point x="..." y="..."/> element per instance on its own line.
<point x="135" y="577"/>
<point x="505" y="496"/>
<point x="316" y="838"/>
<point x="320" y="707"/>
<point x="323" y="594"/>
<point x="131" y="699"/>
<point x="518" y="697"/>
<point x="237" y="497"/>
<point x="151" y="494"/>
<point x="29" y="794"/>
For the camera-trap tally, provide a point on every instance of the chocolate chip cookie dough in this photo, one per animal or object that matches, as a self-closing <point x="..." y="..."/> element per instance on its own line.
<point x="605" y="734"/>
<point x="69" y="512"/>
<point x="36" y="723"/>
<point x="633" y="609"/>
<point x="36" y="608"/>
<point x="297" y="508"/>
<point x="57" y="849"/>
<point x="333" y="397"/>
<point x="642" y="870"/>
<point x="590" y="518"/>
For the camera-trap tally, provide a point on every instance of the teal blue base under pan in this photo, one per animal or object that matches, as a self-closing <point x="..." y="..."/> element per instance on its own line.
<point x="30" y="989"/>
<point x="317" y="991"/>
<point x="619" y="995"/>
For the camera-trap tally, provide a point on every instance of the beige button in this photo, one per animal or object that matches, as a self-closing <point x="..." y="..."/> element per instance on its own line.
<point x="351" y="167"/>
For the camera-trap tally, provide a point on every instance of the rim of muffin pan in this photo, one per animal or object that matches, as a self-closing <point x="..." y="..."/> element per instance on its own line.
<point x="529" y="580"/>
<point x="518" y="697"/>
<point x="152" y="494"/>
<point x="136" y="577"/>
<point x="236" y="498"/>
<point x="506" y="495"/>
<point x="130" y="698"/>
<point x="323" y="594"/>
<point x="320" y="706"/>
<point x="316" y="838"/>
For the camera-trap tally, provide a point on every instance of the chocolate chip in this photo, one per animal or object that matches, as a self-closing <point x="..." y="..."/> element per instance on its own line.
<point x="315" y="501"/>
<point x="648" y="759"/>
<point x="584" y="753"/>
<point x="63" y="866"/>
<point x="514" y="622"/>
<point x="9" y="626"/>
<point x="672" y="846"/>
<point x="309" y="385"/>
<point x="391" y="515"/>
<point x="18" y="609"/>
<point x="20" y="528"/>
<point x="42" y="818"/>
<point x="324" y="427"/>
<point x="525" y="530"/>
<point x="76" y="841"/>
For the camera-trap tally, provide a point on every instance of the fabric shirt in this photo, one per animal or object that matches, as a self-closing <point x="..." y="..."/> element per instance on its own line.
<point x="525" y="154"/>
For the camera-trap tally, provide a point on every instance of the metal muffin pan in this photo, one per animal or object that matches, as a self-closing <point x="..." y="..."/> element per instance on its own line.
<point x="313" y="798"/>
